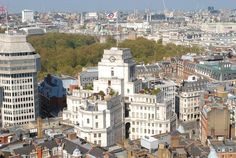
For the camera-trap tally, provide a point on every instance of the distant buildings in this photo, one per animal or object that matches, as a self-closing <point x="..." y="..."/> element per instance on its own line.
<point x="91" y="16"/>
<point x="19" y="65"/>
<point x="219" y="27"/>
<point x="33" y="30"/>
<point x="27" y="16"/>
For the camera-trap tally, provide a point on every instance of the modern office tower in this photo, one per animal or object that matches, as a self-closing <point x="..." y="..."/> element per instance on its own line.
<point x="19" y="65"/>
<point x="27" y="16"/>
<point x="191" y="98"/>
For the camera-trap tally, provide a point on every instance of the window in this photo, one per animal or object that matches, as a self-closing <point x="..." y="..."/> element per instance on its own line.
<point x="109" y="82"/>
<point x="96" y="125"/>
<point x="96" y="116"/>
<point x="99" y="135"/>
<point x="87" y="120"/>
<point x="95" y="135"/>
<point x="112" y="73"/>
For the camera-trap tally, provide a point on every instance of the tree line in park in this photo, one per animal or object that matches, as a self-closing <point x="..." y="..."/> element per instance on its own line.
<point x="68" y="53"/>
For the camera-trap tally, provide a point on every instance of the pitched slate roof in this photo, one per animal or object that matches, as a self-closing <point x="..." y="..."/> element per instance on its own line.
<point x="70" y="146"/>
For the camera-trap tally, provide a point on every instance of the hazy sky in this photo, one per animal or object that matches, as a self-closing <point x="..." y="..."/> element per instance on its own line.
<point x="93" y="5"/>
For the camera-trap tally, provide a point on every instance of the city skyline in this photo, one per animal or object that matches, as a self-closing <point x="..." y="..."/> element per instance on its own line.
<point x="79" y="5"/>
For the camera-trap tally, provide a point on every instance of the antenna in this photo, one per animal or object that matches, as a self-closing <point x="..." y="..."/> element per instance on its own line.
<point x="117" y="31"/>
<point x="164" y="5"/>
<point x="7" y="20"/>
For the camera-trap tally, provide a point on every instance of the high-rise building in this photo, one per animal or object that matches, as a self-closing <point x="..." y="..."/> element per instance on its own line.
<point x="19" y="65"/>
<point x="27" y="16"/>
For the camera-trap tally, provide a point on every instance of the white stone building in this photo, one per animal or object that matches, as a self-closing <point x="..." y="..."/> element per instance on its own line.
<point x="191" y="98"/>
<point x="96" y="118"/>
<point x="149" y="115"/>
<point x="117" y="70"/>
<point x="27" y="16"/>
<point x="98" y="115"/>
<point x="218" y="27"/>
<point x="19" y="65"/>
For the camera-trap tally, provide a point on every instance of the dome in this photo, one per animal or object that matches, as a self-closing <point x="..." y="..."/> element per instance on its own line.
<point x="76" y="153"/>
<point x="181" y="129"/>
<point x="212" y="153"/>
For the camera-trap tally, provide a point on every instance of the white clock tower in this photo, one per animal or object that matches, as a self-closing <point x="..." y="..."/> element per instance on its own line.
<point x="116" y="71"/>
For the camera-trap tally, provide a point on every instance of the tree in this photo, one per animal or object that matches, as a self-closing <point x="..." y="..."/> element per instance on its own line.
<point x="68" y="53"/>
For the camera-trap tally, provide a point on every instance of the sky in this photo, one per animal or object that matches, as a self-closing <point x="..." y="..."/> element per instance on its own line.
<point x="97" y="5"/>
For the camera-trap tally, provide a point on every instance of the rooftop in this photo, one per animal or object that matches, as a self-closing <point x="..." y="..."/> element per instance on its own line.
<point x="14" y="43"/>
<point x="223" y="146"/>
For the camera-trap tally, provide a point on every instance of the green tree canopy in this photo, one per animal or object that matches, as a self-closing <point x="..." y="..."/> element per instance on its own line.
<point x="68" y="53"/>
